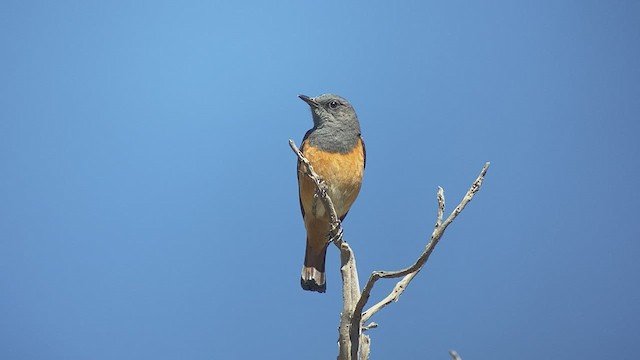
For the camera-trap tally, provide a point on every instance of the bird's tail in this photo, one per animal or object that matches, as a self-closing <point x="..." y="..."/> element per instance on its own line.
<point x="313" y="276"/>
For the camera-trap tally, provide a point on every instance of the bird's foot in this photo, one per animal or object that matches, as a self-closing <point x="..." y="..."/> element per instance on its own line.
<point x="336" y="233"/>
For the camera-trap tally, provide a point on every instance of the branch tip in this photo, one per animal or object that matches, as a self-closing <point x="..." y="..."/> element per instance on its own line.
<point x="454" y="355"/>
<point x="409" y="273"/>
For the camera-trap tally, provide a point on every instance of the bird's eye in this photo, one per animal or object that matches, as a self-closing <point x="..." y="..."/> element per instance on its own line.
<point x="334" y="104"/>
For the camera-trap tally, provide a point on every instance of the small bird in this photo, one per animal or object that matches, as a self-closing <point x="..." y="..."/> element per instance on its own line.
<point x="335" y="149"/>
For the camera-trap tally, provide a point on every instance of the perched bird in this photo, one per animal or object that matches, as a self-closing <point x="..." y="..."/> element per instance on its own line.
<point x="335" y="149"/>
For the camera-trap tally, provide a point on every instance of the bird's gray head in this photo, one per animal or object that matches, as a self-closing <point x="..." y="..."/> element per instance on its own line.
<point x="335" y="123"/>
<point x="332" y="111"/>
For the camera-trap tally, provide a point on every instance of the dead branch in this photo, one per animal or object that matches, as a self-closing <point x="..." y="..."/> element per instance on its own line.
<point x="410" y="272"/>
<point x="352" y="343"/>
<point x="454" y="355"/>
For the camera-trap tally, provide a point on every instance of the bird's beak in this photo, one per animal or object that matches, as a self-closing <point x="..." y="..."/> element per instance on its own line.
<point x="309" y="101"/>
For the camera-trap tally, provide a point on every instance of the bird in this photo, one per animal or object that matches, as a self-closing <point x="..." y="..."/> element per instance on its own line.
<point x="336" y="150"/>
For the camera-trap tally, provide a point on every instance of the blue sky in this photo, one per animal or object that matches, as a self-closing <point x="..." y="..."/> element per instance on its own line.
<point x="148" y="197"/>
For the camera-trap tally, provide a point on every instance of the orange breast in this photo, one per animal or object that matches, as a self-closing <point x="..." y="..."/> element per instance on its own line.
<point x="342" y="173"/>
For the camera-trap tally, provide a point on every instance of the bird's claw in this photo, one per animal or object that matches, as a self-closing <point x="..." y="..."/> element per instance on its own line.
<point x="336" y="233"/>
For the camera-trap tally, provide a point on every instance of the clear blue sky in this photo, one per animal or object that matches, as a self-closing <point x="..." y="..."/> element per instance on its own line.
<point x="148" y="197"/>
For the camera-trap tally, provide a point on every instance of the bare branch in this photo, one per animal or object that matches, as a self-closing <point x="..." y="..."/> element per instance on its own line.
<point x="454" y="355"/>
<point x="393" y="296"/>
<point x="350" y="295"/>
<point x="440" y="206"/>
<point x="371" y="325"/>
<point x="365" y="347"/>
<point x="475" y="187"/>
<point x="410" y="272"/>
